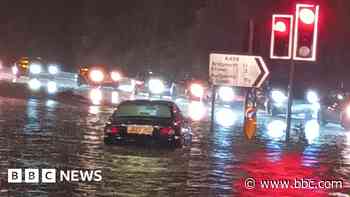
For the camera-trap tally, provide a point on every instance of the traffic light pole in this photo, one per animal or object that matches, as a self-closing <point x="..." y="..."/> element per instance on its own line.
<point x="290" y="98"/>
<point x="213" y="101"/>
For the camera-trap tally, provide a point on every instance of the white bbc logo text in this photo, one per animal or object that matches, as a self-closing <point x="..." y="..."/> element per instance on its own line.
<point x="31" y="176"/>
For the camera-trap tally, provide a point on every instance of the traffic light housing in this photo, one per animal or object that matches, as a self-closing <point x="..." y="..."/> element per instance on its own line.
<point x="305" y="33"/>
<point x="281" y="37"/>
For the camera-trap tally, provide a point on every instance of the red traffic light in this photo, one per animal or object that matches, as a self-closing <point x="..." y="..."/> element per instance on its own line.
<point x="280" y="26"/>
<point x="306" y="30"/>
<point x="281" y="36"/>
<point x="307" y="16"/>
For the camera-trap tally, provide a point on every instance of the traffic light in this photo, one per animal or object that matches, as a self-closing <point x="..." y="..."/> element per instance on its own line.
<point x="281" y="37"/>
<point x="305" y="34"/>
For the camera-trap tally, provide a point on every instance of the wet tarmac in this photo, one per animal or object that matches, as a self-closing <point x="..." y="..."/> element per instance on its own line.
<point x="42" y="133"/>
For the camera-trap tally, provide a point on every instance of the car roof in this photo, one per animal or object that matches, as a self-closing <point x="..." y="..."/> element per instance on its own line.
<point x="144" y="101"/>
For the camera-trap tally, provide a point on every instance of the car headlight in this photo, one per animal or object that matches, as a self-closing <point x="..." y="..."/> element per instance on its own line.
<point x="156" y="86"/>
<point x="278" y="96"/>
<point x="53" y="69"/>
<point x="116" y="76"/>
<point x="226" y="94"/>
<point x="97" y="76"/>
<point x="35" y="68"/>
<point x="312" y="97"/>
<point x="197" y="90"/>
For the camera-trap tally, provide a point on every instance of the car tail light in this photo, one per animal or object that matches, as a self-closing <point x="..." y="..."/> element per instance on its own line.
<point x="167" y="131"/>
<point x="113" y="130"/>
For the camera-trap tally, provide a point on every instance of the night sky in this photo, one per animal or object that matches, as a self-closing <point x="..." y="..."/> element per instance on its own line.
<point x="169" y="36"/>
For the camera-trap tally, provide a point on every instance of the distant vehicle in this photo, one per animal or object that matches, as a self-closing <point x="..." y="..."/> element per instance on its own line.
<point x="277" y="103"/>
<point x="161" y="121"/>
<point x="156" y="86"/>
<point x="198" y="90"/>
<point x="103" y="84"/>
<point x="229" y="96"/>
<point x="38" y="74"/>
<point x="335" y="108"/>
<point x="96" y="75"/>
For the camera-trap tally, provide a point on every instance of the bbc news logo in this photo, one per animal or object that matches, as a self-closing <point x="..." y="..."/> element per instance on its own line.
<point x="30" y="175"/>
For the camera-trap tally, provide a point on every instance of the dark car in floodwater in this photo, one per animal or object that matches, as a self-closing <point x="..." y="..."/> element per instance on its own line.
<point x="146" y="120"/>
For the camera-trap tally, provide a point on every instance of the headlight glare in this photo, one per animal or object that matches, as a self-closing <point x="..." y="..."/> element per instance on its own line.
<point x="35" y="68"/>
<point x="226" y="94"/>
<point x="116" y="76"/>
<point x="156" y="86"/>
<point x="312" y="97"/>
<point x="96" y="76"/>
<point x="53" y="69"/>
<point x="197" y="90"/>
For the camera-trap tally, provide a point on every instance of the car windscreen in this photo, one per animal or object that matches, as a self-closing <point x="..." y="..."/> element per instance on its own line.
<point x="143" y="110"/>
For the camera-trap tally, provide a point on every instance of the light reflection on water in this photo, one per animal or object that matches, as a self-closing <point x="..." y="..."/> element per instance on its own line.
<point x="33" y="121"/>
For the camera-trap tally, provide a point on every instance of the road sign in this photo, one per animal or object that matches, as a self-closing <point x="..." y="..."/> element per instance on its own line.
<point x="237" y="70"/>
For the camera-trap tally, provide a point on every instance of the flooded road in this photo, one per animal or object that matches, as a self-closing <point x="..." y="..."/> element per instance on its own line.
<point x="41" y="133"/>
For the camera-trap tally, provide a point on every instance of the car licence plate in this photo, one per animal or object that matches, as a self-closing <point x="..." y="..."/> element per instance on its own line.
<point x="140" y="130"/>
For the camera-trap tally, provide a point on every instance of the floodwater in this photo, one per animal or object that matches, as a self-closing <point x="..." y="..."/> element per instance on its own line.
<point x="42" y="133"/>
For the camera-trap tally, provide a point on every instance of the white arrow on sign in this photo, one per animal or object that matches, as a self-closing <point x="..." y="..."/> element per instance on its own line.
<point x="237" y="70"/>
